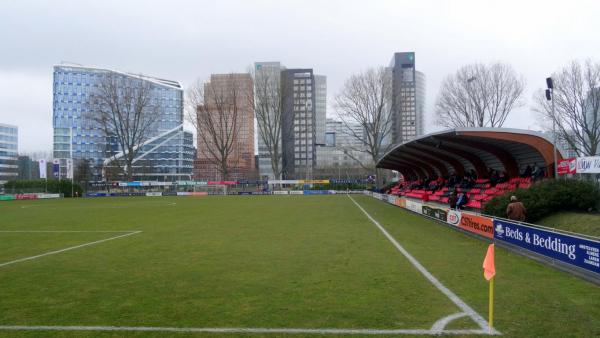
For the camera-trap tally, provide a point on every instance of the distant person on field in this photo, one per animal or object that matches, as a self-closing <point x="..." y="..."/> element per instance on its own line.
<point x="515" y="210"/>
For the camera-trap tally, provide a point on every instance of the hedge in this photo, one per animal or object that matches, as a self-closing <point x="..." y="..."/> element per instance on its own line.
<point x="549" y="196"/>
<point x="51" y="186"/>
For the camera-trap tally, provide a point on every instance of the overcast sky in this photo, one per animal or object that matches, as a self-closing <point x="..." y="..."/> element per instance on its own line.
<point x="187" y="40"/>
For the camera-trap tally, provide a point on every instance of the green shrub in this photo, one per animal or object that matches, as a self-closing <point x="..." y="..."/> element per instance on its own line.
<point x="50" y="186"/>
<point x="549" y="196"/>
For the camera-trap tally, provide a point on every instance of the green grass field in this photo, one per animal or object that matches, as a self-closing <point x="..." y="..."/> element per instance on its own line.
<point x="307" y="262"/>
<point x="583" y="223"/>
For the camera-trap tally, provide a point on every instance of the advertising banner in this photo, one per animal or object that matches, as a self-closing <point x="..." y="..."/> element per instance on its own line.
<point x="454" y="217"/>
<point x="401" y="202"/>
<point x="7" y="197"/>
<point x="569" y="249"/>
<point x="588" y="165"/>
<point x="26" y="196"/>
<point x="199" y="193"/>
<point x="296" y="192"/>
<point x="222" y="182"/>
<point x="45" y="196"/>
<point x="480" y="225"/>
<point x="567" y="166"/>
<point x="391" y="199"/>
<point x="280" y="192"/>
<point x="184" y="193"/>
<point x="154" y="194"/>
<point x="377" y="195"/>
<point x="414" y="206"/>
<point x="42" y="168"/>
<point x="56" y="168"/>
<point x="435" y="212"/>
<point x="283" y="181"/>
<point x="70" y="168"/>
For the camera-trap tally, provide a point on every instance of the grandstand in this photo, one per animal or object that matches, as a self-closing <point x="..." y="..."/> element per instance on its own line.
<point x="480" y="163"/>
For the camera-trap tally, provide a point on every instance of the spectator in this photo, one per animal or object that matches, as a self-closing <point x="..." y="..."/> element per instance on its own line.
<point x="538" y="172"/>
<point x="527" y="172"/>
<point x="461" y="201"/>
<point x="515" y="210"/>
<point x="452" y="200"/>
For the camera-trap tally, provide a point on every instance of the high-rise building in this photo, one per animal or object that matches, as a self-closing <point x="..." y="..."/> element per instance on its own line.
<point x="267" y="97"/>
<point x="9" y="168"/>
<point x="168" y="152"/>
<point x="299" y="134"/>
<point x="232" y="90"/>
<point x="408" y="98"/>
<point x="320" y="108"/>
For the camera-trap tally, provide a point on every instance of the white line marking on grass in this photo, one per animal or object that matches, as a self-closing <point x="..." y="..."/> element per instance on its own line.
<point x="441" y="323"/>
<point x="68" y="231"/>
<point x="67" y="249"/>
<point x="324" y="331"/>
<point x="483" y="324"/>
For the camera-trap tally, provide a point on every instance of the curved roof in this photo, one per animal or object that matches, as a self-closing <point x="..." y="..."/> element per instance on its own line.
<point x="462" y="149"/>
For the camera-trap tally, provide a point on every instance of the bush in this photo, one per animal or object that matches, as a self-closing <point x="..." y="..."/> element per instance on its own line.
<point x="51" y="186"/>
<point x="547" y="197"/>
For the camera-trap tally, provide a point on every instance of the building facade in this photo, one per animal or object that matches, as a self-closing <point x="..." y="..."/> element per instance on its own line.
<point x="227" y="90"/>
<point x="408" y="98"/>
<point x="168" y="151"/>
<point x="341" y="148"/>
<point x="302" y="121"/>
<point x="9" y="139"/>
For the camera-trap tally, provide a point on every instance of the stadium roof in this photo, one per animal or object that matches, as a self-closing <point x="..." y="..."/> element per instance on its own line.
<point x="461" y="149"/>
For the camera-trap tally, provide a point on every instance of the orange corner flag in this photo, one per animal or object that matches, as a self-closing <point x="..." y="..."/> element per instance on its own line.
<point x="489" y="268"/>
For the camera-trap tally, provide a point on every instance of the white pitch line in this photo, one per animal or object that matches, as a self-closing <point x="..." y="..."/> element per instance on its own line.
<point x="483" y="324"/>
<point x="67" y="231"/>
<point x="67" y="249"/>
<point x="324" y="331"/>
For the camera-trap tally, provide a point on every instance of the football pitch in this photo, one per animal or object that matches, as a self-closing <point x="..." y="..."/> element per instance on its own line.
<point x="266" y="266"/>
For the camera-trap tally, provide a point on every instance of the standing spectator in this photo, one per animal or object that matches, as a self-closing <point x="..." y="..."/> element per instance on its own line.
<point x="452" y="200"/>
<point x="515" y="210"/>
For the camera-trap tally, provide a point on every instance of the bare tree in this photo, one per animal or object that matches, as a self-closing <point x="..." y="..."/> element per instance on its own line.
<point x="479" y="95"/>
<point x="576" y="97"/>
<point x="219" y="105"/>
<point x="267" y="102"/>
<point x="124" y="109"/>
<point x="365" y="100"/>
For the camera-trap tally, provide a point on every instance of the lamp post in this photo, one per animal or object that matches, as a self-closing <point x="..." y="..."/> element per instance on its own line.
<point x="550" y="97"/>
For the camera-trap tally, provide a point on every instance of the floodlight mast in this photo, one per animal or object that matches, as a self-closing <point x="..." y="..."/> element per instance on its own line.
<point x="550" y="97"/>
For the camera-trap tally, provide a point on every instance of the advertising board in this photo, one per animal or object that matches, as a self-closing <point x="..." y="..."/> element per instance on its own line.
<point x="453" y="217"/>
<point x="45" y="196"/>
<point x="435" y="212"/>
<point x="391" y="199"/>
<point x="280" y="192"/>
<point x="480" y="225"/>
<point x="154" y="194"/>
<point x="569" y="249"/>
<point x="414" y="206"/>
<point x="401" y="202"/>
<point x="567" y="166"/>
<point x="26" y="196"/>
<point x="588" y="165"/>
<point x="296" y="192"/>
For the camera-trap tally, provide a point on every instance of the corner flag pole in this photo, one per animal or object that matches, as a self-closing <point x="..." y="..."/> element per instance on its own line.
<point x="489" y="271"/>
<point x="491" y="305"/>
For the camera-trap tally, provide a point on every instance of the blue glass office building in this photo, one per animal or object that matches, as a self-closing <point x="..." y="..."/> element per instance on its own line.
<point x="167" y="155"/>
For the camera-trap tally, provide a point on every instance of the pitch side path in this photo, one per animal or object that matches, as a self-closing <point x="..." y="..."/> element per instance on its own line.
<point x="265" y="266"/>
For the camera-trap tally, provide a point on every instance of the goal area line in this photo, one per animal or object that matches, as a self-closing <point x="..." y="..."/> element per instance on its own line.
<point x="260" y="330"/>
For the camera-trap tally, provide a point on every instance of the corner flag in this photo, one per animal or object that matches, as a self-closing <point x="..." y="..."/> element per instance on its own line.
<point x="489" y="268"/>
<point x="489" y="271"/>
